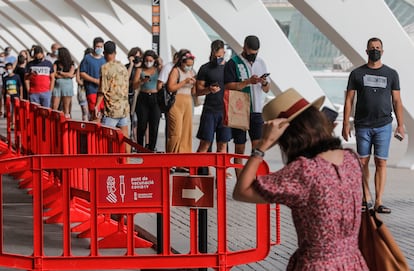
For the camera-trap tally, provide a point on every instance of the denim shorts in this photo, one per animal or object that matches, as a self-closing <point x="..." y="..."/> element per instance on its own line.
<point x="116" y="122"/>
<point x="210" y="123"/>
<point x="255" y="130"/>
<point x="379" y="137"/>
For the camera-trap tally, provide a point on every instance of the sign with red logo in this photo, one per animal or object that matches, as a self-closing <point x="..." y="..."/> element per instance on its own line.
<point x="193" y="191"/>
<point x="129" y="188"/>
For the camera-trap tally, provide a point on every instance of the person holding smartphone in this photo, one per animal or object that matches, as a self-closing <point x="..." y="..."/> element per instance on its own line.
<point x="378" y="94"/>
<point x="210" y="82"/>
<point x="248" y="73"/>
<point x="147" y="109"/>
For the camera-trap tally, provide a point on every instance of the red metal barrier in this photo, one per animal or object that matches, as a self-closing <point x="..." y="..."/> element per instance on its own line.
<point x="141" y="186"/>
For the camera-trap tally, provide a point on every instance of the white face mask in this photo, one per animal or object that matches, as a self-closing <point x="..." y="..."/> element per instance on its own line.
<point x="188" y="68"/>
<point x="149" y="64"/>
<point x="9" y="71"/>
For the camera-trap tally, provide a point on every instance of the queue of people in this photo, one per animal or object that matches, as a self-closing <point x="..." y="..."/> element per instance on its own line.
<point x="320" y="180"/>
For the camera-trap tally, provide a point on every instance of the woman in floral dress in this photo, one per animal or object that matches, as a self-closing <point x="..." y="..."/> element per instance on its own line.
<point x="321" y="183"/>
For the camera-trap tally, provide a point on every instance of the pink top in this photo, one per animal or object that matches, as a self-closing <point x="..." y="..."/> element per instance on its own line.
<point x="325" y="200"/>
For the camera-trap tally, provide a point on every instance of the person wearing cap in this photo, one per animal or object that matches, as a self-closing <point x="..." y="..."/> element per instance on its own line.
<point x="39" y="78"/>
<point x="89" y="72"/>
<point x="248" y="73"/>
<point x="113" y="91"/>
<point x="378" y="92"/>
<point x="320" y="183"/>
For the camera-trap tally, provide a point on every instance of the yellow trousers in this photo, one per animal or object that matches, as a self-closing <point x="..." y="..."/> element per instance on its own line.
<point x="180" y="124"/>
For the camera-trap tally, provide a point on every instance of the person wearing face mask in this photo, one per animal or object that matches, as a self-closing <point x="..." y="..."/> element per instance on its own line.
<point x="53" y="55"/>
<point x="180" y="116"/>
<point x="39" y="78"/>
<point x="134" y="62"/>
<point x="12" y="86"/>
<point x="147" y="109"/>
<point x="89" y="72"/>
<point x="248" y="73"/>
<point x="378" y="93"/>
<point x="210" y="82"/>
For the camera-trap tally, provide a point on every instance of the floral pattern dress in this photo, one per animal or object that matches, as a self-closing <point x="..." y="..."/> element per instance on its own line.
<point x="325" y="200"/>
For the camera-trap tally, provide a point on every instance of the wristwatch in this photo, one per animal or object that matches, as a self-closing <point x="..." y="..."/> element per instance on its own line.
<point x="257" y="153"/>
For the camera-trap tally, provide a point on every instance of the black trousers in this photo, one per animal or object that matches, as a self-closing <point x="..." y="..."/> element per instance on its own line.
<point x="148" y="114"/>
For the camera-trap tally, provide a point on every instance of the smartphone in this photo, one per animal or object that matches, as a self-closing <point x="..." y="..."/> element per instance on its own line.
<point x="330" y="113"/>
<point x="398" y="136"/>
<point x="265" y="75"/>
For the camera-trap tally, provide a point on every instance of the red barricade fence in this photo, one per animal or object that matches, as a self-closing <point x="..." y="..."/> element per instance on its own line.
<point x="75" y="174"/>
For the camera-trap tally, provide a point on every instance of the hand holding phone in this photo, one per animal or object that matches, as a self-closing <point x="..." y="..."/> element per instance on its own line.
<point x="265" y="75"/>
<point x="398" y="136"/>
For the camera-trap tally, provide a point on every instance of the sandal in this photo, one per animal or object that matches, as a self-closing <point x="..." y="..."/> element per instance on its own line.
<point x="367" y="206"/>
<point x="383" y="210"/>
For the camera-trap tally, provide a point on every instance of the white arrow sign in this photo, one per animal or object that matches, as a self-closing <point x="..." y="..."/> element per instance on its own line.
<point x="195" y="193"/>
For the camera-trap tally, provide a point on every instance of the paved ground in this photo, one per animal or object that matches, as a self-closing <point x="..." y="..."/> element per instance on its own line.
<point x="399" y="196"/>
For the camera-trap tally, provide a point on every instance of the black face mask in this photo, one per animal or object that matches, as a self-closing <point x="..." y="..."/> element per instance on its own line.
<point x="250" y="57"/>
<point x="374" y="55"/>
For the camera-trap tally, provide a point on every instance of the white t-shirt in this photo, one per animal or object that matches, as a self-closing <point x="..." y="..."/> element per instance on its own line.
<point x="165" y="72"/>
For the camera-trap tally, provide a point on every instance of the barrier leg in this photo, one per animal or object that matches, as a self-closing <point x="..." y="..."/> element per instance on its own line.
<point x="119" y="239"/>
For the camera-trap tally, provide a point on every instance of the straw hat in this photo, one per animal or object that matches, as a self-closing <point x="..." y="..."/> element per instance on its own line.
<point x="289" y="104"/>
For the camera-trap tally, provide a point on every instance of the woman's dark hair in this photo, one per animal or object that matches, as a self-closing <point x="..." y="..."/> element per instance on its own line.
<point x="88" y="51"/>
<point x="21" y="59"/>
<point x="182" y="56"/>
<point x="65" y="58"/>
<point x="134" y="51"/>
<point x="215" y="46"/>
<point x="153" y="55"/>
<point x="309" y="134"/>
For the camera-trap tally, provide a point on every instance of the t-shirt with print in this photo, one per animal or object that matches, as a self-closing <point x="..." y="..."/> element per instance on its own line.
<point x="374" y="89"/>
<point x="11" y="85"/>
<point x="210" y="73"/>
<point x="91" y="66"/>
<point x="40" y="72"/>
<point x="114" y="86"/>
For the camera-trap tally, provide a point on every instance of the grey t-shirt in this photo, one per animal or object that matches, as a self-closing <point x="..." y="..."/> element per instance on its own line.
<point x="374" y="89"/>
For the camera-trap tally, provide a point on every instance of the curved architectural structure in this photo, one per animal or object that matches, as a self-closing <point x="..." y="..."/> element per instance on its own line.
<point x="74" y="24"/>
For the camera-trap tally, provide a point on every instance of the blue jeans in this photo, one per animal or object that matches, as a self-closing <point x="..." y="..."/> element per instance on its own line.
<point x="379" y="137"/>
<point x="116" y="122"/>
<point x="42" y="98"/>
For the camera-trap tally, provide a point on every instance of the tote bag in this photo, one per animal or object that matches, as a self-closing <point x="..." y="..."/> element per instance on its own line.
<point x="378" y="246"/>
<point x="376" y="242"/>
<point x="236" y="109"/>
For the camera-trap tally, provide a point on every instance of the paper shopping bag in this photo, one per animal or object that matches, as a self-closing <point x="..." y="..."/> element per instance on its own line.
<point x="236" y="109"/>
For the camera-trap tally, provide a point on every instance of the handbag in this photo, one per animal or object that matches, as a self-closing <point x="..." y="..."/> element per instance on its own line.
<point x="81" y="94"/>
<point x="376" y="242"/>
<point x="236" y="109"/>
<point x="165" y="99"/>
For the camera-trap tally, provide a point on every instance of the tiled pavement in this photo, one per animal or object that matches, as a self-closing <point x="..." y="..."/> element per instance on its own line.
<point x="399" y="195"/>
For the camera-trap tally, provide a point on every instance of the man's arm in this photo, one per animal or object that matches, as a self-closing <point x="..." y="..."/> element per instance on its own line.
<point x="89" y="78"/>
<point x="349" y="99"/>
<point x="398" y="110"/>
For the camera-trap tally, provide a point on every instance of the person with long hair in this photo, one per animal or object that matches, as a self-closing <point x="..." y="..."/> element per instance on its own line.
<point x="63" y="91"/>
<point x="321" y="183"/>
<point x="147" y="109"/>
<point x="180" y="116"/>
